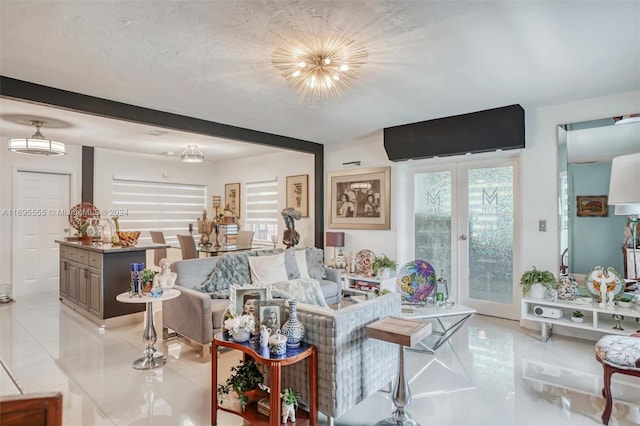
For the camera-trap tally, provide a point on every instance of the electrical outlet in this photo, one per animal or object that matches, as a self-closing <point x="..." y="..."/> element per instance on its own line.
<point x="542" y="225"/>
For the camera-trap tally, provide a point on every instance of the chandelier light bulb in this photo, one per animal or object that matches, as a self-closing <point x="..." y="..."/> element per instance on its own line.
<point x="320" y="67"/>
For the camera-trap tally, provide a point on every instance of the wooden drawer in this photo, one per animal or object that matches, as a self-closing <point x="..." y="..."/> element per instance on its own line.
<point x="95" y="260"/>
<point x="72" y="253"/>
<point x="83" y="257"/>
<point x="64" y="252"/>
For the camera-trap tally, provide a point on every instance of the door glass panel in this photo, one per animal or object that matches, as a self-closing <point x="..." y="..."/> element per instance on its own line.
<point x="491" y="221"/>
<point x="433" y="220"/>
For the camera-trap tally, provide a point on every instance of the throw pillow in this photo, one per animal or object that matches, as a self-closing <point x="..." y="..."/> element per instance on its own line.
<point x="267" y="269"/>
<point x="301" y="262"/>
<point x="230" y="269"/>
<point x="315" y="263"/>
<point x="291" y="264"/>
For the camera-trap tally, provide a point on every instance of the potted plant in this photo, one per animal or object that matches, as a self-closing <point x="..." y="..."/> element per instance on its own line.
<point x="290" y="399"/>
<point x="577" y="316"/>
<point x="245" y="377"/>
<point x="147" y="279"/>
<point x="535" y="283"/>
<point x="382" y="266"/>
<point x="240" y="327"/>
<point x="625" y="301"/>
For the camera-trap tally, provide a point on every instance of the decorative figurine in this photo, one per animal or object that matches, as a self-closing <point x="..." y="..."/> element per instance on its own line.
<point x="205" y="227"/>
<point x="291" y="237"/>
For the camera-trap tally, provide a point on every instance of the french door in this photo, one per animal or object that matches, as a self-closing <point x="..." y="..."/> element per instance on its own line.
<point x="465" y="225"/>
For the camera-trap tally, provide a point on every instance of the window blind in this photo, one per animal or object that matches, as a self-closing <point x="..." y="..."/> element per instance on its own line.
<point x="158" y="206"/>
<point x="262" y="215"/>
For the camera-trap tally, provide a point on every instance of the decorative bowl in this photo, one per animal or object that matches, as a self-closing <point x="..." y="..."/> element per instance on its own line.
<point x="624" y="304"/>
<point x="128" y="238"/>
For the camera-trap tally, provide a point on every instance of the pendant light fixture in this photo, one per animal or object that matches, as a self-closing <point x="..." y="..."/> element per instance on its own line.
<point x="37" y="144"/>
<point x="192" y="155"/>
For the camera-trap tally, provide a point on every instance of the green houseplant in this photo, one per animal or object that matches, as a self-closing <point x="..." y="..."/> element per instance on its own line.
<point x="147" y="279"/>
<point x="577" y="316"/>
<point x="533" y="277"/>
<point x="382" y="262"/>
<point x="244" y="377"/>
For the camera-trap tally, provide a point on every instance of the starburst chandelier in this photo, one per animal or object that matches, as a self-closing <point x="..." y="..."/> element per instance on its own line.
<point x="320" y="67"/>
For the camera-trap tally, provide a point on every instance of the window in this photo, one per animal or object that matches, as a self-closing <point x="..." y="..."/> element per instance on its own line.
<point x="158" y="206"/>
<point x="262" y="215"/>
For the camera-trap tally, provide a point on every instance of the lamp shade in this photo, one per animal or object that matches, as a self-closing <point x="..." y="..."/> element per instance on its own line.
<point x="335" y="239"/>
<point x="625" y="175"/>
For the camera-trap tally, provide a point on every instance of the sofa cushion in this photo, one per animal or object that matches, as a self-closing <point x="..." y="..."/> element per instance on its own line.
<point x="301" y="263"/>
<point x="267" y="269"/>
<point x="315" y="263"/>
<point x="291" y="264"/>
<point x="232" y="268"/>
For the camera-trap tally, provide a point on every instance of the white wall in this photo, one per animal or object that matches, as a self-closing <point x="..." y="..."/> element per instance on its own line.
<point x="539" y="171"/>
<point x="267" y="167"/>
<point x="66" y="164"/>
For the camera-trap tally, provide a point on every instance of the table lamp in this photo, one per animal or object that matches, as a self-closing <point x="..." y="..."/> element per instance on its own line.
<point x="336" y="239"/>
<point x="624" y="193"/>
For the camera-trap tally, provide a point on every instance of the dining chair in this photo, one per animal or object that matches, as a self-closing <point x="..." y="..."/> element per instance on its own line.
<point x="188" y="247"/>
<point x="244" y="238"/>
<point x="158" y="237"/>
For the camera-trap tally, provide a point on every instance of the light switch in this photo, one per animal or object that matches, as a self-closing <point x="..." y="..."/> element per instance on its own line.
<point x="542" y="225"/>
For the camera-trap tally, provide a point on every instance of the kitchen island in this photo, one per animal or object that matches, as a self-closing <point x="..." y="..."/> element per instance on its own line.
<point x="91" y="276"/>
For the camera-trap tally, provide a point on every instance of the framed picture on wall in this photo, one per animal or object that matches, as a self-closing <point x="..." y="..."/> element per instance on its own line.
<point x="359" y="199"/>
<point x="298" y="193"/>
<point x="232" y="198"/>
<point x="592" y="205"/>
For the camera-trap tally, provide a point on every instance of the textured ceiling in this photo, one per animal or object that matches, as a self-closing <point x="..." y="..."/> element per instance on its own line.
<point x="212" y="59"/>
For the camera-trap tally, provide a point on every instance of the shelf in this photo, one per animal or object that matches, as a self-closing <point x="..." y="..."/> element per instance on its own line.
<point x="595" y="318"/>
<point x="252" y="415"/>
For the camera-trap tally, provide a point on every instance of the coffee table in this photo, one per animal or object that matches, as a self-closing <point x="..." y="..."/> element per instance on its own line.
<point x="460" y="313"/>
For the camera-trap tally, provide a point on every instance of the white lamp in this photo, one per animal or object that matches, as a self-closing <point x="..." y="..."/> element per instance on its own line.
<point x="624" y="193"/>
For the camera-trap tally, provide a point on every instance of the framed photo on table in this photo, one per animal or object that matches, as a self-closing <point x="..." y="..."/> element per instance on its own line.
<point x="298" y="193"/>
<point x="359" y="199"/>
<point x="244" y="299"/>
<point x="272" y="313"/>
<point x="232" y="198"/>
<point x="592" y="205"/>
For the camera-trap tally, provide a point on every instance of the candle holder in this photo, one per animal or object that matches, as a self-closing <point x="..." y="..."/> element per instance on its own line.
<point x="618" y="318"/>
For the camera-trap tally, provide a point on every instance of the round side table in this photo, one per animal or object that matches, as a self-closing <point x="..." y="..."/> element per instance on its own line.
<point x="152" y="358"/>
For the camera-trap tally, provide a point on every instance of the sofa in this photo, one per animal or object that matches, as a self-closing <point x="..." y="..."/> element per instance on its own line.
<point x="204" y="285"/>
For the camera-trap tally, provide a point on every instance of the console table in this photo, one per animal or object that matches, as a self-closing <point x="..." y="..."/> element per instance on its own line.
<point x="595" y="318"/>
<point x="275" y="363"/>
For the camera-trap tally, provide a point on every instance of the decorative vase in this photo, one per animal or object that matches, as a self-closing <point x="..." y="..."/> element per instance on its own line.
<point x="293" y="329"/>
<point x="538" y="291"/>
<point x="240" y="336"/>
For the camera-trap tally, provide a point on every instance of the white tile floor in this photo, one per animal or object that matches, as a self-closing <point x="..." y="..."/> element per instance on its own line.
<point x="492" y="373"/>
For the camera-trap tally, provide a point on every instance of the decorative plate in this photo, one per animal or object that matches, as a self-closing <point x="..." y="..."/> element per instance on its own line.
<point x="364" y="262"/>
<point x="80" y="214"/>
<point x="611" y="278"/>
<point x="416" y="281"/>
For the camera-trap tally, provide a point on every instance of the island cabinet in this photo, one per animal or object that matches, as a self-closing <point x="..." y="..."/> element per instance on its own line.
<point x="91" y="278"/>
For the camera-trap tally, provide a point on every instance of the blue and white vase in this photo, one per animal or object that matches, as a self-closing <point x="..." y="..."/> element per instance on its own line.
<point x="293" y="329"/>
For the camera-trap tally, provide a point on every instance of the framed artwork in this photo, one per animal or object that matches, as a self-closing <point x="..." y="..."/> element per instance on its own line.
<point x="359" y="199"/>
<point x="592" y="205"/>
<point x="272" y="313"/>
<point x="232" y="198"/>
<point x="244" y="298"/>
<point x="298" y="193"/>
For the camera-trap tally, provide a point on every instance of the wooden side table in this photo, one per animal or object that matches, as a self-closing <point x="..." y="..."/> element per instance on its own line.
<point x="275" y="363"/>
<point x="404" y="332"/>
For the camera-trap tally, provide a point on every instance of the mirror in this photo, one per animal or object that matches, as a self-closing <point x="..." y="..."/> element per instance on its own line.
<point x="585" y="151"/>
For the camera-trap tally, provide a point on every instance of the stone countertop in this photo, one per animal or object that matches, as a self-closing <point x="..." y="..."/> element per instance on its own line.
<point x="110" y="248"/>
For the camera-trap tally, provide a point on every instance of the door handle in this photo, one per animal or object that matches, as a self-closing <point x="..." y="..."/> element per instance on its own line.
<point x="463" y="237"/>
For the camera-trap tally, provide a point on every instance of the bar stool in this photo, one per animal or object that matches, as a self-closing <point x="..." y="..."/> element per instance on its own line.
<point x="617" y="354"/>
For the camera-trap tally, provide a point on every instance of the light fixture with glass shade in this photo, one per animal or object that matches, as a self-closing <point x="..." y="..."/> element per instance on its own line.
<point x="319" y="67"/>
<point x="37" y="144"/>
<point x="624" y="193"/>
<point x="624" y="119"/>
<point x="192" y="154"/>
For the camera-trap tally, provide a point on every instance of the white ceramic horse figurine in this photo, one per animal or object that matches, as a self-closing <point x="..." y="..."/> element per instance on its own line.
<point x="288" y="410"/>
